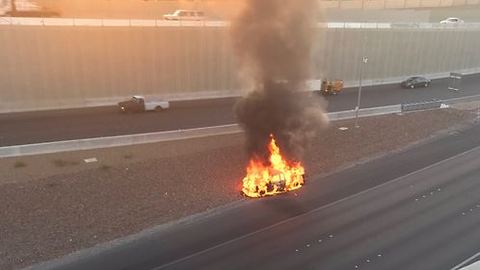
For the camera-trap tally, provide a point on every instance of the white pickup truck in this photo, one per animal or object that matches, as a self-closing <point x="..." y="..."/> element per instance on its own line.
<point x="185" y="15"/>
<point x="142" y="104"/>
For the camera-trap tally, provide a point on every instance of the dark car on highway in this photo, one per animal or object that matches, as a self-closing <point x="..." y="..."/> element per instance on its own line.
<point x="414" y="82"/>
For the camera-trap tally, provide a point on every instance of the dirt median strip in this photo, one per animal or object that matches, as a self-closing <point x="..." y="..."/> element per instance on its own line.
<point x="55" y="204"/>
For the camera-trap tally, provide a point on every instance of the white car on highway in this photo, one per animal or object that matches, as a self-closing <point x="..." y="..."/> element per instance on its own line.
<point x="142" y="104"/>
<point x="185" y="15"/>
<point x="452" y="20"/>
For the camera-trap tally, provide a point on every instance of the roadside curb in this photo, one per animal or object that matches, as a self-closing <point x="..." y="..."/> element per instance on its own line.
<point x="114" y="141"/>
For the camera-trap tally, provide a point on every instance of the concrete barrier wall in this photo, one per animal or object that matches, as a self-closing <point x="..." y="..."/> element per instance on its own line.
<point x="114" y="141"/>
<point x="46" y="67"/>
<point x="162" y="136"/>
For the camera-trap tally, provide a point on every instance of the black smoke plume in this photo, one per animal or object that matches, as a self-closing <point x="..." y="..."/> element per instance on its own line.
<point x="273" y="40"/>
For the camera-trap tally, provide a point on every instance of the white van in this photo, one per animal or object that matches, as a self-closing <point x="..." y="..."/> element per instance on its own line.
<point x="185" y="15"/>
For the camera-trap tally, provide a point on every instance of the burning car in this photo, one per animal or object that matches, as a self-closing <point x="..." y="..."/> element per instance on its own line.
<point x="276" y="177"/>
<point x="276" y="184"/>
<point x="275" y="53"/>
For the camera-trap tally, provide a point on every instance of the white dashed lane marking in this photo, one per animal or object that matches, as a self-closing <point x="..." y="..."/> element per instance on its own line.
<point x="471" y="210"/>
<point x="368" y="261"/>
<point x="314" y="242"/>
<point x="428" y="194"/>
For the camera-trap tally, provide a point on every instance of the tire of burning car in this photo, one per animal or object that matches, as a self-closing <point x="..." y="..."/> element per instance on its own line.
<point x="257" y="190"/>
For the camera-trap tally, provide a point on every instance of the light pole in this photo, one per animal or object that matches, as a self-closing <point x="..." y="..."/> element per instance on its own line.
<point x="359" y="98"/>
<point x="13" y="6"/>
<point x="478" y="113"/>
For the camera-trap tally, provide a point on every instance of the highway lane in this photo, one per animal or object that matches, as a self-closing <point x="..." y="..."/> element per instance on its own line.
<point x="427" y="220"/>
<point x="47" y="126"/>
<point x="411" y="210"/>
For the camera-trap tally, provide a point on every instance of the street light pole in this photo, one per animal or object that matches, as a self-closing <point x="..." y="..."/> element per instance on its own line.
<point x="13" y="6"/>
<point x="359" y="98"/>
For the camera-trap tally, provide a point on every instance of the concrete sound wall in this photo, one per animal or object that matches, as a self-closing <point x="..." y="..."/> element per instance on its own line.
<point x="395" y="53"/>
<point x="75" y="66"/>
<point x="44" y="67"/>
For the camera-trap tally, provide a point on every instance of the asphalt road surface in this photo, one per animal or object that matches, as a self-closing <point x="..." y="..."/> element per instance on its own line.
<point x="48" y="126"/>
<point x="418" y="209"/>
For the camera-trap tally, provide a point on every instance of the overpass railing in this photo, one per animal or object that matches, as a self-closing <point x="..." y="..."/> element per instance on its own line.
<point x="163" y="23"/>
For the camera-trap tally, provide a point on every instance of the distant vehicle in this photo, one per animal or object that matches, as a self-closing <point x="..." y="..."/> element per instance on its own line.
<point x="452" y="20"/>
<point x="141" y="104"/>
<point x="32" y="13"/>
<point x="331" y="87"/>
<point x="414" y="82"/>
<point x="26" y="9"/>
<point x="185" y="15"/>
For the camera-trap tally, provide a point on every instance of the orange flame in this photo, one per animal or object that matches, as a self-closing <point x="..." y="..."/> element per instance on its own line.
<point x="279" y="176"/>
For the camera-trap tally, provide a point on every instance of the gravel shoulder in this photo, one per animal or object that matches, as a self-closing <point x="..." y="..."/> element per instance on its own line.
<point x="52" y="205"/>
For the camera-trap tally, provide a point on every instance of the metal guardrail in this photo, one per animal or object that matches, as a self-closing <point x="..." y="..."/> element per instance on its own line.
<point x="393" y="4"/>
<point x="436" y="104"/>
<point x="462" y="99"/>
<point x="419" y="106"/>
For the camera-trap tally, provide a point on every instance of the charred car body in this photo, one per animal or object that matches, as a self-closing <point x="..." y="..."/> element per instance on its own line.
<point x="278" y="183"/>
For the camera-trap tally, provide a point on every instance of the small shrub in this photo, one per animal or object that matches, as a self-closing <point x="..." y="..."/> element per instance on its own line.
<point x="64" y="163"/>
<point x="105" y="167"/>
<point x="20" y="164"/>
<point x="60" y="163"/>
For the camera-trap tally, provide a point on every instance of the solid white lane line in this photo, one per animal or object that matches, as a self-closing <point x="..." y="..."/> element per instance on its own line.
<point x="464" y="263"/>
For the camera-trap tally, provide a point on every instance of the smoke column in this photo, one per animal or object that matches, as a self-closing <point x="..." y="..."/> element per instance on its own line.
<point x="273" y="41"/>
